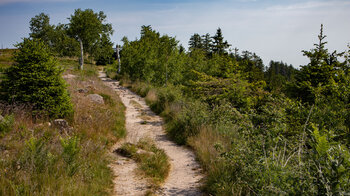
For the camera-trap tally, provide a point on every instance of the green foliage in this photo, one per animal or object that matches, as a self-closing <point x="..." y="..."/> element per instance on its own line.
<point x="249" y="140"/>
<point x="6" y="124"/>
<point x="278" y="74"/>
<point x="153" y="58"/>
<point x="164" y="96"/>
<point x="188" y="122"/>
<point x="104" y="51"/>
<point x="152" y="161"/>
<point x="88" y="27"/>
<point x="54" y="36"/>
<point x="108" y="99"/>
<point x="36" y="155"/>
<point x="219" y="46"/>
<point x="323" y="70"/>
<point x="155" y="165"/>
<point x="195" y="42"/>
<point x="36" y="79"/>
<point x="70" y="151"/>
<point x="40" y="27"/>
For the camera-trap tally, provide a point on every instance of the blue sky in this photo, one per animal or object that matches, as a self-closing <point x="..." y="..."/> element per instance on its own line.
<point x="274" y="29"/>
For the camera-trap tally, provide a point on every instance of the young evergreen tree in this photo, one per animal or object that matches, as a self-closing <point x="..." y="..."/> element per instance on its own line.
<point x="323" y="71"/>
<point x="195" y="42"/>
<point x="219" y="46"/>
<point x="36" y="79"/>
<point x="207" y="42"/>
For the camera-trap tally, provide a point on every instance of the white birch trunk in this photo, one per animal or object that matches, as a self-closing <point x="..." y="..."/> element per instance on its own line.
<point x="81" y="54"/>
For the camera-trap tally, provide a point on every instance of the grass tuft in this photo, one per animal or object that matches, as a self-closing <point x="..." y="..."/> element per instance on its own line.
<point x="153" y="162"/>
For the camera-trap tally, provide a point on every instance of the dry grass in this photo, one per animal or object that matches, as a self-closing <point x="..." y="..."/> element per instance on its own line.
<point x="91" y="118"/>
<point x="38" y="159"/>
<point x="208" y="145"/>
<point x="151" y="96"/>
<point x="136" y="104"/>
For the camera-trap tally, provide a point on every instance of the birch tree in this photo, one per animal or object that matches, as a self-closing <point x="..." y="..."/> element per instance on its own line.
<point x="87" y="27"/>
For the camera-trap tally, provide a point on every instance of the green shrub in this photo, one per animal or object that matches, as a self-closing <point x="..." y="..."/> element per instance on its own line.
<point x="70" y="152"/>
<point x="188" y="121"/>
<point x="165" y="95"/>
<point x="36" y="79"/>
<point x="35" y="157"/>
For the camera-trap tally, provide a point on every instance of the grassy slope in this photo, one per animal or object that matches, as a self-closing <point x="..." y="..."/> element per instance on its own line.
<point x="37" y="159"/>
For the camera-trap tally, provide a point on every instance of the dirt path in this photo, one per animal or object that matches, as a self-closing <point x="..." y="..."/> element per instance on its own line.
<point x="184" y="175"/>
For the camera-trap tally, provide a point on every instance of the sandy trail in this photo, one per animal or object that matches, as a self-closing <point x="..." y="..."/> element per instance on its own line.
<point x="184" y="177"/>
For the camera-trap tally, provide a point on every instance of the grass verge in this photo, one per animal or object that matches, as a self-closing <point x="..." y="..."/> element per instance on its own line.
<point x="40" y="159"/>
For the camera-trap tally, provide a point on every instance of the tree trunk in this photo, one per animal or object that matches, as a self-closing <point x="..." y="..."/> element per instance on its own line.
<point x="118" y="58"/>
<point x="81" y="55"/>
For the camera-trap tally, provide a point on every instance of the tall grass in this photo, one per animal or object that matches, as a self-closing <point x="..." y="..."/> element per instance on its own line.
<point x="39" y="159"/>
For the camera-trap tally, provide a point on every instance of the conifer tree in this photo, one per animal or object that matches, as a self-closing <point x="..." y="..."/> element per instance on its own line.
<point x="206" y="43"/>
<point x="321" y="71"/>
<point x="35" y="79"/>
<point x="195" y="42"/>
<point x="219" y="46"/>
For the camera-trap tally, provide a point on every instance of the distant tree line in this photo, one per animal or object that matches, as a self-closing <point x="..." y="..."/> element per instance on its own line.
<point x="160" y="59"/>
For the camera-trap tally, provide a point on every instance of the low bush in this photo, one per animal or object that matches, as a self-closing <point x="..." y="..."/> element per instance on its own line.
<point x="266" y="147"/>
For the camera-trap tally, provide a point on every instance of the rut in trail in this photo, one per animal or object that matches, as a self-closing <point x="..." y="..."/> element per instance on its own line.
<point x="184" y="176"/>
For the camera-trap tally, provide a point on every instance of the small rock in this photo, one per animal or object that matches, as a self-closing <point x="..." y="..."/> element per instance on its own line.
<point x="63" y="126"/>
<point x="60" y="123"/>
<point x="82" y="90"/>
<point x="119" y="163"/>
<point x="69" y="76"/>
<point x="96" y="98"/>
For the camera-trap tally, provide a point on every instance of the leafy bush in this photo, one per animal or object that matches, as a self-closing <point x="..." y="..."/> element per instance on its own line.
<point x="36" y="79"/>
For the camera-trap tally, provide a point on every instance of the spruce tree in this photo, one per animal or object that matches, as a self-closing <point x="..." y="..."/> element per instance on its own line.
<point x="219" y="45"/>
<point x="195" y="42"/>
<point x="207" y="43"/>
<point x="35" y="79"/>
<point x="323" y="71"/>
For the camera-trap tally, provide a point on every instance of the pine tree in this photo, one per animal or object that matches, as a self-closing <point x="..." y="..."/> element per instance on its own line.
<point x="219" y="46"/>
<point x="322" y="71"/>
<point x="195" y="42"/>
<point x="35" y="79"/>
<point x="207" y="43"/>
